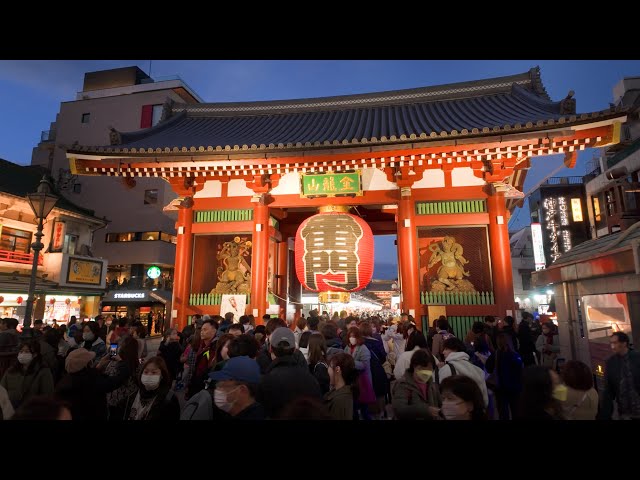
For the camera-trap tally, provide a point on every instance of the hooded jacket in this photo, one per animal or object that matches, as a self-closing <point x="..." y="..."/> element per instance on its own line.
<point x="462" y="365"/>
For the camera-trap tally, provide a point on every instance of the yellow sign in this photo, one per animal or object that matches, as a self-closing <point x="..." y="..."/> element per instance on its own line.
<point x="84" y="271"/>
<point x="576" y="208"/>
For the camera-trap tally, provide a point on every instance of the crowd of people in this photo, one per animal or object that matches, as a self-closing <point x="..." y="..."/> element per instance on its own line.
<point x="341" y="368"/>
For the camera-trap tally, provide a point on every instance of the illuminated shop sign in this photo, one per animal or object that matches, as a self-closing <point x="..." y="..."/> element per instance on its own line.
<point x="556" y="217"/>
<point x="538" y="247"/>
<point x="128" y="295"/>
<point x="576" y="208"/>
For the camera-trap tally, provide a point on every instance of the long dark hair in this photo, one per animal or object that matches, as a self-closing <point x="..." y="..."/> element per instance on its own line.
<point x="317" y="349"/>
<point x="348" y="370"/>
<point x="222" y="340"/>
<point x="128" y="352"/>
<point x="537" y="394"/>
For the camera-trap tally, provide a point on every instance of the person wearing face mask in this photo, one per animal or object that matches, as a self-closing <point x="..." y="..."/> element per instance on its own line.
<point x="362" y="358"/>
<point x="92" y="341"/>
<point x="415" y="394"/>
<point x="457" y="363"/>
<point x="415" y="342"/>
<point x="542" y="395"/>
<point x="343" y="379"/>
<point x="462" y="399"/>
<point x="154" y="399"/>
<point x="236" y="388"/>
<point x="28" y="377"/>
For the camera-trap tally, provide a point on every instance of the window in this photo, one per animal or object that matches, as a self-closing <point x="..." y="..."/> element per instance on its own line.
<point x="77" y="188"/>
<point x="70" y="244"/>
<point x="15" y="240"/>
<point x="86" y="117"/>
<point x="610" y="197"/>
<point x="150" y="236"/>
<point x="151" y="197"/>
<point x="156" y="115"/>
<point x="165" y="237"/>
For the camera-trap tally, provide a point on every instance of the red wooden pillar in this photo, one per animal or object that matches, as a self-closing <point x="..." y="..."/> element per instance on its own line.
<point x="500" y="253"/>
<point x="408" y="254"/>
<point x="260" y="260"/>
<point x="184" y="257"/>
<point x="283" y="276"/>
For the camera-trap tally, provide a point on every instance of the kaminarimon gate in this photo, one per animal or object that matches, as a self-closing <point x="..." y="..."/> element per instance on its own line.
<point x="441" y="167"/>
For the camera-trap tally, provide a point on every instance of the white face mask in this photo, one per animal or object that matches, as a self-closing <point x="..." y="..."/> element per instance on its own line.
<point x="453" y="410"/>
<point x="353" y="340"/>
<point x="220" y="398"/>
<point x="88" y="336"/>
<point x="25" y="358"/>
<point x="150" y="382"/>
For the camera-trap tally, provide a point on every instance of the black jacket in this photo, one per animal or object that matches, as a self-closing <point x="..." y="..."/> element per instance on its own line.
<point x="86" y="391"/>
<point x="165" y="408"/>
<point x="612" y="377"/>
<point x="286" y="380"/>
<point x="254" y="411"/>
<point x="264" y="359"/>
<point x="171" y="352"/>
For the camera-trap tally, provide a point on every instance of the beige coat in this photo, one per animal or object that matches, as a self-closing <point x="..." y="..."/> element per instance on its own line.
<point x="580" y="405"/>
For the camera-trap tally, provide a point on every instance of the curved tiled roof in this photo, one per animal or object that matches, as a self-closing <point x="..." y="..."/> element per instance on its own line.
<point x="504" y="104"/>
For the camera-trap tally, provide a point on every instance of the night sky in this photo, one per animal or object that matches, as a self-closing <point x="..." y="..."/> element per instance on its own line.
<point x="31" y="92"/>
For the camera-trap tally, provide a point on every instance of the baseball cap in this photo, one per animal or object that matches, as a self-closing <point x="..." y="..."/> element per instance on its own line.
<point x="282" y="334"/>
<point x="240" y="369"/>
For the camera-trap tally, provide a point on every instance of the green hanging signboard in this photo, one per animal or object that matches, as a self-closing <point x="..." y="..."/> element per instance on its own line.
<point x="331" y="184"/>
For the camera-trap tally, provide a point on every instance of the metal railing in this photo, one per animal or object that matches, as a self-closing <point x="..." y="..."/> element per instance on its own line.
<point x="18" y="257"/>
<point x="592" y="174"/>
<point x="456" y="298"/>
<point x="48" y="136"/>
<point x="575" y="180"/>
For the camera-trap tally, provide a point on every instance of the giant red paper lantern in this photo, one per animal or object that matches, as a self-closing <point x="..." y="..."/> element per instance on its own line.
<point x="334" y="252"/>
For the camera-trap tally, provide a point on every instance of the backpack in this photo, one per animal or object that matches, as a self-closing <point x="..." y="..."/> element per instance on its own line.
<point x="453" y="372"/>
<point x="199" y="407"/>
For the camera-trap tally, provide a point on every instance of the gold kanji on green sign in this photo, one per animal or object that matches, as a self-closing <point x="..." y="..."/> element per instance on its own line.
<point x="331" y="184"/>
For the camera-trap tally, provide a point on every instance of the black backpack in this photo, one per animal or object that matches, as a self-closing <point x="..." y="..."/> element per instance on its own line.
<point x="453" y="371"/>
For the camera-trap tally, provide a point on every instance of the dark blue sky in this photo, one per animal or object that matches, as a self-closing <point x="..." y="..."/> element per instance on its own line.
<point x="31" y="91"/>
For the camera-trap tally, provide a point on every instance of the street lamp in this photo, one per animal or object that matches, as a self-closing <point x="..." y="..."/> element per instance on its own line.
<point x="41" y="202"/>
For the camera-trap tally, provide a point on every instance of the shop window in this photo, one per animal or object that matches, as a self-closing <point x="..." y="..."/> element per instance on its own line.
<point x="151" y="196"/>
<point x="150" y="236"/>
<point x="15" y="240"/>
<point x="86" y="117"/>
<point x="70" y="244"/>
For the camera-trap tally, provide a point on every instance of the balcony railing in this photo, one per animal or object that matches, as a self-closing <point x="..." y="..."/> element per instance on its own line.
<point x="48" y="136"/>
<point x="564" y="181"/>
<point x="18" y="257"/>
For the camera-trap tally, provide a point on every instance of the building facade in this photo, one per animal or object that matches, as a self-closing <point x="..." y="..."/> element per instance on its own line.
<point x="597" y="284"/>
<point x="439" y="166"/>
<point x="70" y="280"/>
<point x="138" y="235"/>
